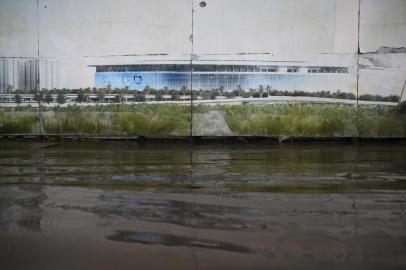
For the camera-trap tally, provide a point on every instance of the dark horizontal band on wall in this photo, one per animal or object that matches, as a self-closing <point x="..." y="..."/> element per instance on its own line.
<point x="200" y="139"/>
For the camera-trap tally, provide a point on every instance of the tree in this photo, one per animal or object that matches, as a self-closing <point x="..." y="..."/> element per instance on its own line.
<point x="238" y="91"/>
<point x="60" y="98"/>
<point x="125" y="94"/>
<point x="183" y="90"/>
<point x="213" y="94"/>
<point x="18" y="99"/>
<point x="402" y="107"/>
<point x="81" y="97"/>
<point x="9" y="89"/>
<point x="101" y="94"/>
<point x="117" y="99"/>
<point x="221" y="90"/>
<point x="174" y="96"/>
<point x="140" y="98"/>
<point x="38" y="96"/>
<point x="268" y="89"/>
<point x="252" y="93"/>
<point x="147" y="89"/>
<point x="229" y="94"/>
<point x="108" y="89"/>
<point x="260" y="90"/>
<point x="165" y="92"/>
<point x="48" y="98"/>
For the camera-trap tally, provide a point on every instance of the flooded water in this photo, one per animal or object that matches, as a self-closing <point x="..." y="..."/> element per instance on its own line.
<point x="81" y="205"/>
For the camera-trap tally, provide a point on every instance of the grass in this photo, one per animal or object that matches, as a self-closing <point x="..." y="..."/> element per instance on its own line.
<point x="311" y="120"/>
<point x="153" y="120"/>
<point x="292" y="119"/>
<point x="77" y="122"/>
<point x="381" y="122"/>
<point x="17" y="122"/>
<point x="120" y="119"/>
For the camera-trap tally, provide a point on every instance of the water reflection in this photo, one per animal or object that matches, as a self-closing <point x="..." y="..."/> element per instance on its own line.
<point x="151" y="238"/>
<point x="268" y="206"/>
<point x="171" y="165"/>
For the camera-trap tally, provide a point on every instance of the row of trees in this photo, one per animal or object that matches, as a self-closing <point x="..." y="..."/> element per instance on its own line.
<point x="42" y="97"/>
<point x="391" y="98"/>
<point x="121" y="95"/>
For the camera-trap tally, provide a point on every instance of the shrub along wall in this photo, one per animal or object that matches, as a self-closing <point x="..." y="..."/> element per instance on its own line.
<point x="313" y="120"/>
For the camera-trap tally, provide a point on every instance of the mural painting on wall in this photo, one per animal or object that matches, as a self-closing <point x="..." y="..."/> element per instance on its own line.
<point x="279" y="70"/>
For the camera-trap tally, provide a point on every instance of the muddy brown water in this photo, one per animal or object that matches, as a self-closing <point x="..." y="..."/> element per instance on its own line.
<point x="117" y="205"/>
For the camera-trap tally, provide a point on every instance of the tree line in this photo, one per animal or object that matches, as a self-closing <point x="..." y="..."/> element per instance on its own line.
<point x="166" y="94"/>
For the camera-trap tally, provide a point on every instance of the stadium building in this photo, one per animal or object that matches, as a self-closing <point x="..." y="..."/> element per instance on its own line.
<point x="229" y="74"/>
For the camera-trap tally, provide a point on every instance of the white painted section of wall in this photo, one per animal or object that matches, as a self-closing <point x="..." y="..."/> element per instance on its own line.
<point x="18" y="28"/>
<point x="383" y="23"/>
<point x="291" y="28"/>
<point x="382" y="74"/>
<point x="71" y="29"/>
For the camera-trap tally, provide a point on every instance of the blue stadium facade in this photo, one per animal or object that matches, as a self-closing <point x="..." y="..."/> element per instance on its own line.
<point x="229" y="76"/>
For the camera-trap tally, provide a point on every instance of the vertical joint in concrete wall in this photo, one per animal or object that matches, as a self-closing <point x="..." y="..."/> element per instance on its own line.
<point x="358" y="55"/>
<point x="358" y="44"/>
<point x="359" y="26"/>
<point x="38" y="85"/>
<point x="191" y="70"/>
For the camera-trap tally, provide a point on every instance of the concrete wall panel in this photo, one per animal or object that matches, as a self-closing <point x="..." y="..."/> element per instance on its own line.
<point x="382" y="24"/>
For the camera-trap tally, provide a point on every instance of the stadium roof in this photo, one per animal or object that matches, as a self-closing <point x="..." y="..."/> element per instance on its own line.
<point x="234" y="59"/>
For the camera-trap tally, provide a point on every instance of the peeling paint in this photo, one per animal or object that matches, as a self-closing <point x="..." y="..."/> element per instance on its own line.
<point x="385" y="50"/>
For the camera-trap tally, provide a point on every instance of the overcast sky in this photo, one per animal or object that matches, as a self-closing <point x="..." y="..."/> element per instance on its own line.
<point x="72" y="29"/>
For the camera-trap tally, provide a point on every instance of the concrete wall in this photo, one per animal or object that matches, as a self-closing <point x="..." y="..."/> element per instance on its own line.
<point x="286" y="29"/>
<point x="366" y="34"/>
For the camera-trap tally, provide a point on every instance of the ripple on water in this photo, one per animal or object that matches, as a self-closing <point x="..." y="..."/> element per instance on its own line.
<point x="151" y="238"/>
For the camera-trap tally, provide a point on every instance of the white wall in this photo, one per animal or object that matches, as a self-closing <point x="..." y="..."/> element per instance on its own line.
<point x="287" y="29"/>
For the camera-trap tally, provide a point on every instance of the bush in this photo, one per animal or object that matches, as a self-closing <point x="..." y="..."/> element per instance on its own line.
<point x="291" y="119"/>
<point x="402" y="107"/>
<point x="17" y="123"/>
<point x="77" y="121"/>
